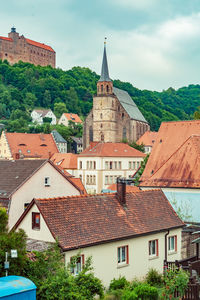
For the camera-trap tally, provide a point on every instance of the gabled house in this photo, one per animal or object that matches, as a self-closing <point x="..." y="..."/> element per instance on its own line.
<point x="61" y="143"/>
<point x="66" y="117"/>
<point x="38" y="116"/>
<point x="22" y="180"/>
<point x="128" y="233"/>
<point x="77" y="144"/>
<point x="174" y="165"/>
<point x="66" y="161"/>
<point x="148" y="140"/>
<point x="15" y="145"/>
<point x="101" y="163"/>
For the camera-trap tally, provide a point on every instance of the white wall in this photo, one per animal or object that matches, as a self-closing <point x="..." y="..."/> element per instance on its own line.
<point x="104" y="257"/>
<point x="35" y="188"/>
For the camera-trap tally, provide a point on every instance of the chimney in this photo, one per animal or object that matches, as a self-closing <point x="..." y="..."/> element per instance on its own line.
<point x="121" y="190"/>
<point x="16" y="156"/>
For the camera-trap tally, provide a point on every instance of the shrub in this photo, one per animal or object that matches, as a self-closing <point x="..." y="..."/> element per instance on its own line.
<point x="154" y="278"/>
<point x="129" y="295"/>
<point x="117" y="284"/>
<point x="146" y="292"/>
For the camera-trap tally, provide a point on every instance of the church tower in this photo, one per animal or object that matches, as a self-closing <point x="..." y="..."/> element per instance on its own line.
<point x="104" y="106"/>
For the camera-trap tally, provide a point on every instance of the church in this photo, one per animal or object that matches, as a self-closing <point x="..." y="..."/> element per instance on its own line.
<point x="114" y="116"/>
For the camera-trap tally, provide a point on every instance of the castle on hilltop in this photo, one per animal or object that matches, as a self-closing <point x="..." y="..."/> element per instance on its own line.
<point x="15" y="47"/>
<point x="114" y="116"/>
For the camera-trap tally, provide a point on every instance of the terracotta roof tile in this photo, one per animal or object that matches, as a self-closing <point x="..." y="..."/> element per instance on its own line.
<point x="111" y="150"/>
<point x="37" y="145"/>
<point x="78" y="183"/>
<point x="65" y="160"/>
<point x="73" y="117"/>
<point x="148" y="138"/>
<point x="81" y="221"/>
<point x="174" y="158"/>
<point x="40" y="45"/>
<point x="6" y="38"/>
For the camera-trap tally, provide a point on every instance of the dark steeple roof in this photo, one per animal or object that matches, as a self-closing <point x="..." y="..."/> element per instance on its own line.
<point x="104" y="68"/>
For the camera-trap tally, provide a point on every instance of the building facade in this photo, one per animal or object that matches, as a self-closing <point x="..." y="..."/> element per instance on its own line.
<point x="115" y="116"/>
<point x="100" y="164"/>
<point x="15" y="48"/>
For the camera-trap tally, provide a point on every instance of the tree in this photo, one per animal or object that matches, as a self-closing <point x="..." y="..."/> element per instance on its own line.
<point x="11" y="240"/>
<point x="59" y="109"/>
<point x="141" y="170"/>
<point x="197" y="114"/>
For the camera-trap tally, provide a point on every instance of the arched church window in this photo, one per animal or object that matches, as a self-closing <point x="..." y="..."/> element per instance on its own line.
<point x="122" y="116"/>
<point x="102" y="88"/>
<point x="124" y="133"/>
<point x="91" y="134"/>
<point x="107" y="89"/>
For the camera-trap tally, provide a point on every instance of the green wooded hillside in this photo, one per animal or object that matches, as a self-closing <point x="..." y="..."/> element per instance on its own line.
<point x="24" y="86"/>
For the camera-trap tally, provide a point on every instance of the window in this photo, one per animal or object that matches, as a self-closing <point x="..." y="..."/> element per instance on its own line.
<point x="153" y="248"/>
<point x="87" y="164"/>
<point x="106" y="165"/>
<point x="115" y="165"/>
<point x="90" y="164"/>
<point x="138" y="164"/>
<point x="80" y="165"/>
<point x="120" y="165"/>
<point x="94" y="165"/>
<point x="77" y="264"/>
<point x="35" y="220"/>
<point x="47" y="181"/>
<point x="129" y="164"/>
<point x="111" y="165"/>
<point x="172" y="243"/>
<point x="106" y="179"/>
<point x="134" y="165"/>
<point x="122" y="255"/>
<point x="87" y="181"/>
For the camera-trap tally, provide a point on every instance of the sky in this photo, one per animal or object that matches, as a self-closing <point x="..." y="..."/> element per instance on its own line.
<point x="153" y="44"/>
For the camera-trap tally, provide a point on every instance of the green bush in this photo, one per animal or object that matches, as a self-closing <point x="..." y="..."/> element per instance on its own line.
<point x="154" y="278"/>
<point x="129" y="295"/>
<point x="146" y="292"/>
<point x="117" y="284"/>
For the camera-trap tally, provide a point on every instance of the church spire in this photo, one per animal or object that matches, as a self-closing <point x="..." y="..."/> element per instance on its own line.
<point x="104" y="68"/>
<point x="104" y="85"/>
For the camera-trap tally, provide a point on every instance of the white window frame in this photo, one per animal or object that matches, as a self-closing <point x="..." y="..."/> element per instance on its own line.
<point x="122" y="255"/>
<point x="153" y="248"/>
<point x="78" y="265"/>
<point x="174" y="238"/>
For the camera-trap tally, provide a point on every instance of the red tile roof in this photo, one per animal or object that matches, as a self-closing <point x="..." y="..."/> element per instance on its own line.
<point x="111" y="150"/>
<point x="65" y="160"/>
<point x="40" y="45"/>
<point x="78" y="183"/>
<point x="173" y="157"/>
<point x="129" y="188"/>
<point x="73" y="117"/>
<point x="6" y="38"/>
<point x="37" y="145"/>
<point x="82" y="221"/>
<point x="148" y="138"/>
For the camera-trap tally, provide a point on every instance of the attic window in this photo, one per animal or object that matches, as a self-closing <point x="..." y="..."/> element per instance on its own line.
<point x="160" y="140"/>
<point x="152" y="171"/>
<point x="28" y="151"/>
<point x="43" y="145"/>
<point x="72" y="118"/>
<point x="22" y="145"/>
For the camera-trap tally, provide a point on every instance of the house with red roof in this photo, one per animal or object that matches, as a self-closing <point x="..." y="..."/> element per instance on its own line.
<point x="125" y="233"/>
<point x="147" y="139"/>
<point x="100" y="164"/>
<point x="22" y="180"/>
<point x="67" y="161"/>
<point x="174" y="166"/>
<point x="15" y="48"/>
<point x="66" y="117"/>
<point x="15" y="145"/>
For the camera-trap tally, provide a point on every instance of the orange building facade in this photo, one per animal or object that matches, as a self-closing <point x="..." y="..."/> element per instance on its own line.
<point x="15" y="48"/>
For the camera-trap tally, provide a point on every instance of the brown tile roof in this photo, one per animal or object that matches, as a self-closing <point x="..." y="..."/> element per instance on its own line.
<point x="37" y="145"/>
<point x="65" y="160"/>
<point x="81" y="221"/>
<point x="182" y="169"/>
<point x="43" y="112"/>
<point x="73" y="117"/>
<point x="129" y="188"/>
<point x="13" y="174"/>
<point x="148" y="138"/>
<point x="40" y="45"/>
<point x="111" y="150"/>
<point x="167" y="157"/>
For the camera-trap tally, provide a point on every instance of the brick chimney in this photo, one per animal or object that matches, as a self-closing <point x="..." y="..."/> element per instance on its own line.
<point x="121" y="190"/>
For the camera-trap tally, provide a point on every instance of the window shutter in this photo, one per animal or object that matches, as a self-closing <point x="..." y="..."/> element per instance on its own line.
<point x="157" y="251"/>
<point x="175" y="237"/>
<point x="127" y="255"/>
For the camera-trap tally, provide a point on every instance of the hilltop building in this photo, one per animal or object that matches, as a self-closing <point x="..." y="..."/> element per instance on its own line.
<point x="38" y="116"/>
<point x="15" y="47"/>
<point x="114" y="116"/>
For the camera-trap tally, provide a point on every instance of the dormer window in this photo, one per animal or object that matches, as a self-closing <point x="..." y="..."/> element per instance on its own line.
<point x="22" y="144"/>
<point x="43" y="145"/>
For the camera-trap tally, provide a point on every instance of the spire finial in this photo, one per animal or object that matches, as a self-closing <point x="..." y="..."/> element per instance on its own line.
<point x="104" y="68"/>
<point x="105" y="40"/>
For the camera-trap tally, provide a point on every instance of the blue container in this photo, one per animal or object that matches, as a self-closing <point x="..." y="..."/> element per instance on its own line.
<point x="17" y="287"/>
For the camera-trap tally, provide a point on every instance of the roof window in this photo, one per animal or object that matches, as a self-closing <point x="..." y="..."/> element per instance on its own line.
<point x="43" y="145"/>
